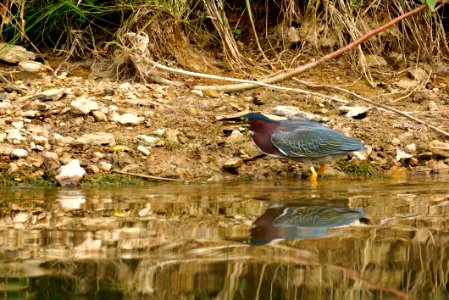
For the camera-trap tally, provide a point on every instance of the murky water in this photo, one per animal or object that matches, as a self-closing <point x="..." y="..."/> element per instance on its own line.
<point x="339" y="239"/>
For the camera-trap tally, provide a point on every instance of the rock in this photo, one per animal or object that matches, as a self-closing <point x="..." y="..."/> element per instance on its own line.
<point x="402" y="155"/>
<point x="371" y="60"/>
<point x="99" y="116"/>
<point x="211" y="93"/>
<point x="144" y="150"/>
<point x="97" y="138"/>
<point x="127" y="119"/>
<point x="356" y="112"/>
<point x="63" y="140"/>
<point x="70" y="174"/>
<point x="50" y="95"/>
<point x="172" y="135"/>
<point x="425" y="156"/>
<point x="14" y="136"/>
<point x="197" y="92"/>
<point x="19" y="153"/>
<point x="233" y="164"/>
<point x="148" y="139"/>
<point x="83" y="105"/>
<point x="124" y="86"/>
<point x="50" y="155"/>
<point x="105" y="166"/>
<point x="21" y="217"/>
<point x="32" y="66"/>
<point x="14" y="54"/>
<point x="160" y="132"/>
<point x="439" y="148"/>
<point x="5" y="149"/>
<point x="411" y="148"/>
<point x="395" y="141"/>
<point x="235" y="136"/>
<point x="39" y="140"/>
<point x="17" y="125"/>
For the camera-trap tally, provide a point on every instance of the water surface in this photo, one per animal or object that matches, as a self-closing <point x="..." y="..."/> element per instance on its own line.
<point x="339" y="239"/>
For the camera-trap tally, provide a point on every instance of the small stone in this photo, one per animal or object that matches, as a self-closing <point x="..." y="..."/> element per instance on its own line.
<point x="93" y="169"/>
<point x="5" y="149"/>
<point x="439" y="148"/>
<point x="50" y="95"/>
<point x="233" y="164"/>
<point x="70" y="174"/>
<point x="31" y="66"/>
<point x="39" y="140"/>
<point x="235" y="136"/>
<point x="292" y="112"/>
<point x="19" y="153"/>
<point x="97" y="138"/>
<point x="14" y="54"/>
<point x="124" y="86"/>
<point x="14" y="136"/>
<point x="411" y="148"/>
<point x="197" y="92"/>
<point x="407" y="84"/>
<point x="105" y="166"/>
<point x="50" y="155"/>
<point x="160" y="132"/>
<point x="211" y="93"/>
<point x="63" y="140"/>
<point x="395" y="141"/>
<point x="148" y="139"/>
<point x="21" y="217"/>
<point x="127" y="119"/>
<point x="83" y="106"/>
<point x="402" y="155"/>
<point x="356" y="112"/>
<point x="144" y="150"/>
<point x="99" y="116"/>
<point x="17" y="125"/>
<point x="172" y="135"/>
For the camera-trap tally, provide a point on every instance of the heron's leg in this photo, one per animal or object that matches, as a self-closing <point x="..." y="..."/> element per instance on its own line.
<point x="314" y="175"/>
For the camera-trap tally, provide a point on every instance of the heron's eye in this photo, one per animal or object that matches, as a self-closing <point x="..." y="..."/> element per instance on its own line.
<point x="245" y="119"/>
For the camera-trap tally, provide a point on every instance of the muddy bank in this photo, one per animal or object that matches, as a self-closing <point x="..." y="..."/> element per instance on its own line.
<point x="46" y="122"/>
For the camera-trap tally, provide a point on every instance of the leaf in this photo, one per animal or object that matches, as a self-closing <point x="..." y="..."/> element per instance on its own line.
<point x="430" y="3"/>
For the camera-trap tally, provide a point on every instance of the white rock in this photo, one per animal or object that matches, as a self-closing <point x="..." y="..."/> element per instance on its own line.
<point x="83" y="105"/>
<point x="50" y="155"/>
<point x="292" y="112"/>
<point x="50" y="95"/>
<point x="5" y="149"/>
<point x="96" y="138"/>
<point x="31" y="66"/>
<point x="127" y="119"/>
<point x="2" y="136"/>
<point x="17" y="125"/>
<point x="401" y="155"/>
<point x="148" y="139"/>
<point x="235" y="136"/>
<point x="105" y="166"/>
<point x="14" y="54"/>
<point x="353" y="111"/>
<point x="63" y="140"/>
<point x="19" y="153"/>
<point x="21" y="217"/>
<point x="160" y="132"/>
<point x="14" y="136"/>
<point x="439" y="148"/>
<point x="124" y="86"/>
<point x="39" y="140"/>
<point x="144" y="150"/>
<point x="197" y="92"/>
<point x="395" y="141"/>
<point x="70" y="174"/>
<point x="411" y="148"/>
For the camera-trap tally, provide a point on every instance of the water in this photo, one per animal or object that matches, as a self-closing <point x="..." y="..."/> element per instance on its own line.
<point x="339" y="239"/>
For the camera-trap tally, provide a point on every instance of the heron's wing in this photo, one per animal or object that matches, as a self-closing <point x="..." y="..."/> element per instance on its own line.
<point x="313" y="141"/>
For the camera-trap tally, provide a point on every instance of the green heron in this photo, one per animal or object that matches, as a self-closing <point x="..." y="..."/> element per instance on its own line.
<point x="294" y="221"/>
<point x="303" y="141"/>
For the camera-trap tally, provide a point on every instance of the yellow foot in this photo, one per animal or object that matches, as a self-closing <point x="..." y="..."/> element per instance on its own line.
<point x="314" y="175"/>
<point x="322" y="169"/>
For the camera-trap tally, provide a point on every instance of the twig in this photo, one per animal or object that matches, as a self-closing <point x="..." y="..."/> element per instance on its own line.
<point x="145" y="176"/>
<point x="445" y="133"/>
<point x="311" y="65"/>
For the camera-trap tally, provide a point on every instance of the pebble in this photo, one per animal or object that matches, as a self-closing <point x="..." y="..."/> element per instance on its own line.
<point x="233" y="164"/>
<point x="70" y="174"/>
<point x="144" y="150"/>
<point x="83" y="105"/>
<point x="127" y="119"/>
<point x="97" y="138"/>
<point x="439" y="148"/>
<point x="50" y="95"/>
<point x="148" y="139"/>
<point x="19" y="153"/>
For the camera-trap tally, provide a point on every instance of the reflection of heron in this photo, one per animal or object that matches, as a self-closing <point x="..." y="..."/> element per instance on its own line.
<point x="300" y="222"/>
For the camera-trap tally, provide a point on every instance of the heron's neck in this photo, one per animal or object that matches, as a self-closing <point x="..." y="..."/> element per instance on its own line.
<point x="262" y="132"/>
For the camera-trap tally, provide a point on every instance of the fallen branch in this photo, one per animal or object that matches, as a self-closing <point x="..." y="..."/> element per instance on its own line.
<point x="445" y="133"/>
<point x="291" y="73"/>
<point x="146" y="176"/>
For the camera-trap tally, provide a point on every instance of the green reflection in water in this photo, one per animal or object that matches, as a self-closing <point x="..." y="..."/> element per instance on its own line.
<point x="192" y="242"/>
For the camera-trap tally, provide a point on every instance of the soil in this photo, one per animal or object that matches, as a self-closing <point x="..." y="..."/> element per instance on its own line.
<point x="193" y="145"/>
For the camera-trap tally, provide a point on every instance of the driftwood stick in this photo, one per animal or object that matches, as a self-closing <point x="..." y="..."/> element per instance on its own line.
<point x="291" y="73"/>
<point x="146" y="176"/>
